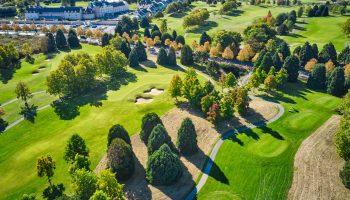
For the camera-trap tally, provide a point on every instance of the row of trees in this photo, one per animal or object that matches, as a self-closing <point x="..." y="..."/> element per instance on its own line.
<point x="342" y="140"/>
<point x="317" y="11"/>
<point x="164" y="166"/>
<point x="86" y="184"/>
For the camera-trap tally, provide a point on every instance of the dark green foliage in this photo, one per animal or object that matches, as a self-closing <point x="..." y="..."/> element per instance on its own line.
<point x="260" y="58"/>
<point x="84" y="184"/>
<point x="297" y="50"/>
<point x="119" y="29"/>
<point x="28" y="197"/>
<point x="276" y="61"/>
<point x="208" y="87"/>
<point x="305" y="54"/>
<point x="257" y="35"/>
<point x="171" y="57"/>
<point x="51" y="43"/>
<point x="118" y="131"/>
<point x="149" y="121"/>
<point x="282" y="29"/>
<point x="163" y="167"/>
<point x="80" y="162"/>
<point x="121" y="159"/>
<point x="343" y="57"/>
<point x="157" y="138"/>
<point x="165" y="36"/>
<point x="266" y="62"/>
<point x="155" y="28"/>
<point x="281" y="18"/>
<point x="125" y="48"/>
<point x="328" y="53"/>
<point x="180" y="39"/>
<point x="174" y="35"/>
<point x="146" y="33"/>
<point x="315" y="51"/>
<point x="284" y="50"/>
<point x="141" y="52"/>
<point x="61" y="41"/>
<point x="317" y="78"/>
<point x="345" y="174"/>
<point x="135" y="24"/>
<point x="144" y="23"/>
<point x="335" y="82"/>
<point x="204" y="38"/>
<point x="187" y="138"/>
<point x="105" y="39"/>
<point x="162" y="58"/>
<point x="212" y="68"/>
<point x="291" y="64"/>
<point x="186" y="55"/>
<point x="133" y="58"/>
<point x="293" y="16"/>
<point x="76" y="145"/>
<point x="73" y="40"/>
<point x="3" y="125"/>
<point x="192" y="89"/>
<point x="156" y="33"/>
<point x="53" y="192"/>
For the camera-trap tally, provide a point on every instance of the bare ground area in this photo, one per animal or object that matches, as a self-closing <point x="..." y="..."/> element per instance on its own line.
<point x="317" y="166"/>
<point x="138" y="188"/>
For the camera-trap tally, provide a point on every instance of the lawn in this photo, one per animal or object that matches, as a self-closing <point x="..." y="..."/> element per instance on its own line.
<point x="22" y="145"/>
<point x="258" y="164"/>
<point x="319" y="30"/>
<point x="83" y="4"/>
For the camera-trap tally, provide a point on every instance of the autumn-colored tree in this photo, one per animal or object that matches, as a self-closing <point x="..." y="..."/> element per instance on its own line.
<point x="88" y="33"/>
<point x="23" y="92"/>
<point x="207" y="46"/>
<point x="32" y="27"/>
<point x="149" y="42"/>
<point x="329" y="66"/>
<point x="167" y="42"/>
<point x="157" y="40"/>
<point x="53" y="29"/>
<point x="25" y="28"/>
<point x="347" y="70"/>
<point x="63" y="28"/>
<point x="80" y="31"/>
<point x="246" y="53"/>
<point x="44" y="29"/>
<point x="270" y="82"/>
<point x="214" y="52"/>
<point x="45" y="167"/>
<point x="194" y="45"/>
<point x="213" y="113"/>
<point x="228" y="53"/>
<point x="97" y="33"/>
<point x="310" y="64"/>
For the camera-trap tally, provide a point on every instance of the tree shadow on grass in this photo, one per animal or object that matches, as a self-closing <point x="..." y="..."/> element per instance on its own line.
<point x="235" y="13"/>
<point x="204" y="27"/>
<point x="174" y="68"/>
<point x="295" y="35"/>
<point x="68" y="108"/>
<point x="149" y="64"/>
<point x="7" y="74"/>
<point x="268" y="130"/>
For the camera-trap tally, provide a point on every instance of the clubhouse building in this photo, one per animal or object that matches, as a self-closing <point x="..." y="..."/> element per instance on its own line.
<point x="95" y="10"/>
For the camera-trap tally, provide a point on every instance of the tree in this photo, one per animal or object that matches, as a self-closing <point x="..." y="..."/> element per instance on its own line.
<point x="22" y="91"/>
<point x="345" y="174"/>
<point x="300" y="11"/>
<point x="212" y="68"/>
<point x="51" y="43"/>
<point x="99" y="195"/>
<point x="291" y="64"/>
<point x="141" y="52"/>
<point x="213" y="113"/>
<point x="226" y="106"/>
<point x="241" y="99"/>
<point x="162" y="57"/>
<point x="120" y="159"/>
<point x="3" y="123"/>
<point x="335" y="82"/>
<point x="317" y="78"/>
<point x="187" y="138"/>
<point x="133" y="58"/>
<point x="174" y="35"/>
<point x="228" y="53"/>
<point x="171" y="57"/>
<point x="284" y="50"/>
<point x="329" y="66"/>
<point x="125" y="49"/>
<point x="109" y="185"/>
<point x="61" y="41"/>
<point x="75" y="145"/>
<point x="163" y="26"/>
<point x="105" y="39"/>
<point x="175" y="86"/>
<point x="111" y="62"/>
<point x="149" y="121"/>
<point x="231" y="80"/>
<point x="246" y="53"/>
<point x="84" y="183"/>
<point x="192" y="89"/>
<point x="157" y="138"/>
<point x="310" y="64"/>
<point x="163" y="167"/>
<point x="79" y="162"/>
<point x="305" y="54"/>
<point x="45" y="167"/>
<point x="282" y="29"/>
<point x="281" y="77"/>
<point x="144" y="23"/>
<point x="26" y="50"/>
<point x="346" y="28"/>
<point x="180" y="39"/>
<point x="186" y="55"/>
<point x="266" y="62"/>
<point x="204" y="38"/>
<point x="73" y="41"/>
<point x="118" y="131"/>
<point x="328" y="53"/>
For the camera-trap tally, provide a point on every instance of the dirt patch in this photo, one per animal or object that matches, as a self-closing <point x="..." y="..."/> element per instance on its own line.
<point x="154" y="92"/>
<point x="317" y="166"/>
<point x="142" y="100"/>
<point x="137" y="188"/>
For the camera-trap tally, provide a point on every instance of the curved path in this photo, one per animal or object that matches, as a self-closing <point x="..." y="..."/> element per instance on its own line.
<point x="15" y="99"/>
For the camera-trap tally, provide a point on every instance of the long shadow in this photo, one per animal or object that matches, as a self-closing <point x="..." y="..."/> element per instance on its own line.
<point x="68" y="108"/>
<point x="235" y="13"/>
<point x="178" y="14"/>
<point x="174" y="68"/>
<point x="7" y="73"/>
<point x="149" y="64"/>
<point x="268" y="130"/>
<point x="300" y="28"/>
<point x="295" y="35"/>
<point x="204" y="27"/>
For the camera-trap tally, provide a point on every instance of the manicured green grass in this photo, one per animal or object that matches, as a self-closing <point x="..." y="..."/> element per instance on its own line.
<point x="258" y="164"/>
<point x="23" y="144"/>
<point x="243" y="18"/>
<point x="319" y="30"/>
<point x="83" y="4"/>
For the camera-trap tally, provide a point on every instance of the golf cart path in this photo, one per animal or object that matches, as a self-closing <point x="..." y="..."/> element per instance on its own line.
<point x="15" y="99"/>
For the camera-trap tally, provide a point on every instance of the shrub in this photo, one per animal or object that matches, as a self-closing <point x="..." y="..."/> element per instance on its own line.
<point x="149" y="121"/>
<point x="76" y="145"/>
<point x="345" y="174"/>
<point x="162" y="57"/>
<point x="171" y="57"/>
<point x="186" y="55"/>
<point x="120" y="159"/>
<point x="163" y="167"/>
<point x="118" y="131"/>
<point x="187" y="138"/>
<point x="157" y="138"/>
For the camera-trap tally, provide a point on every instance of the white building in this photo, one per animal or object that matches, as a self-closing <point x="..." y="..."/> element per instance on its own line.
<point x="95" y="10"/>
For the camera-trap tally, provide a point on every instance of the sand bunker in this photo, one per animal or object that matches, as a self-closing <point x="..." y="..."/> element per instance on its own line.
<point x="42" y="68"/>
<point x="154" y="91"/>
<point x="35" y="73"/>
<point x="142" y="100"/>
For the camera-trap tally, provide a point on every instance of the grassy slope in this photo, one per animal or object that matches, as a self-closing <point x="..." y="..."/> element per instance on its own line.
<point x="23" y="144"/>
<point x="320" y="30"/>
<point x="261" y="166"/>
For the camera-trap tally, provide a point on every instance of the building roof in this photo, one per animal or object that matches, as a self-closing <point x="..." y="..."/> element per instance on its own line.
<point x="105" y="3"/>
